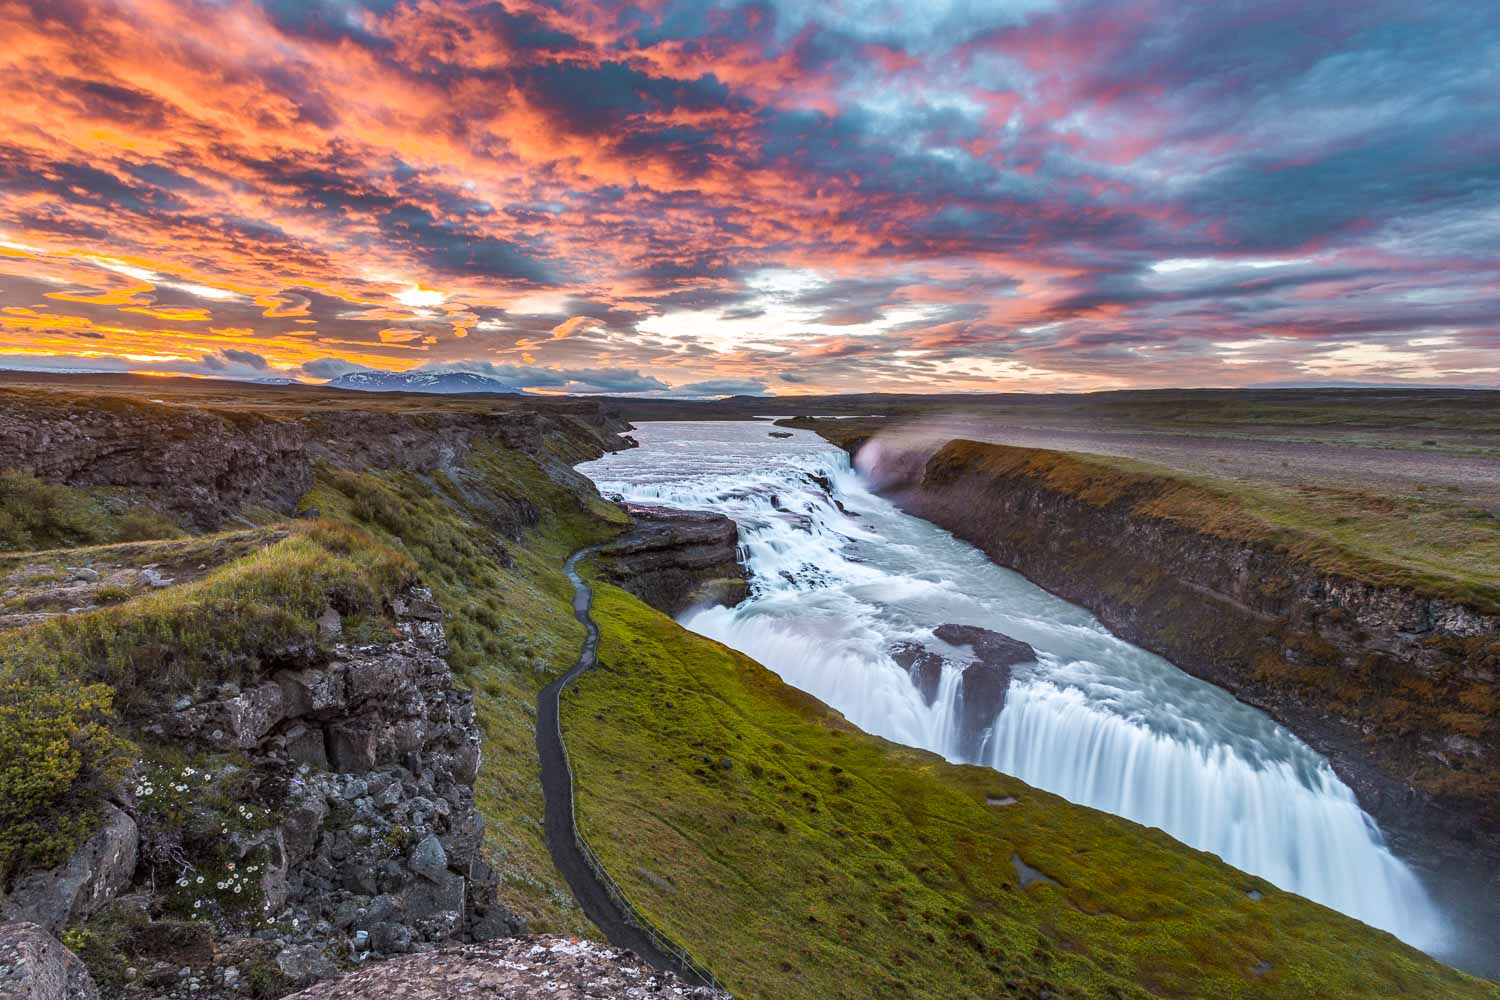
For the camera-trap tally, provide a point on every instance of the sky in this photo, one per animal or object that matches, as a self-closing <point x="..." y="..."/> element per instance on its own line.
<point x="701" y="197"/>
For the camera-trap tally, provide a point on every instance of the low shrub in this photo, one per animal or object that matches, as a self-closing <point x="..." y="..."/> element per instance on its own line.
<point x="58" y="757"/>
<point x="40" y="515"/>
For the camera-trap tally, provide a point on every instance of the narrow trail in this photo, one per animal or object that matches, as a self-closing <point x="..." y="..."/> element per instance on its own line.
<point x="599" y="903"/>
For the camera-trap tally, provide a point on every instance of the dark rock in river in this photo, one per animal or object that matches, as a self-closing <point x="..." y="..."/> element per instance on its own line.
<point x="781" y="434"/>
<point x="924" y="666"/>
<point x="677" y="559"/>
<point x="985" y="681"/>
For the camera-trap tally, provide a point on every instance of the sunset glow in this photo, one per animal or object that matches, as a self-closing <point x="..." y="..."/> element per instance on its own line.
<point x="702" y="198"/>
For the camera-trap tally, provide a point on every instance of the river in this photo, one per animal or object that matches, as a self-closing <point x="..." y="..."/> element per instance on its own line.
<point x="840" y="575"/>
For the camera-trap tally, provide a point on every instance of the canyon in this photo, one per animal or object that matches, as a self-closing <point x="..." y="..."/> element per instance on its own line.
<point x="1392" y="682"/>
<point x="332" y="632"/>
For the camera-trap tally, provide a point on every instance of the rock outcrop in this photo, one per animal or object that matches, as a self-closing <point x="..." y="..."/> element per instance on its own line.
<point x="675" y="559"/>
<point x="344" y="830"/>
<point x="34" y="965"/>
<point x="206" y="465"/>
<point x="513" y="970"/>
<point x="924" y="666"/>
<point x="377" y="753"/>
<point x="985" y="680"/>
<point x="95" y="874"/>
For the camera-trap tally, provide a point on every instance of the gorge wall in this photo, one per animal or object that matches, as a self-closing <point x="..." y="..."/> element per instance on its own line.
<point x="675" y="559"/>
<point x="1396" y="687"/>
<point x="204" y="465"/>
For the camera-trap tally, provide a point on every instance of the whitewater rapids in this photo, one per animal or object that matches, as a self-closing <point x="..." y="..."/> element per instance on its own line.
<point x="839" y="575"/>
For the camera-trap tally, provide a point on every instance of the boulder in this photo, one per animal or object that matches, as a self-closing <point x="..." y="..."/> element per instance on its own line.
<point x="924" y="666"/>
<point x="252" y="714"/>
<point x="34" y="965"/>
<point x="306" y="744"/>
<point x="305" y="963"/>
<point x="75" y="890"/>
<point x="351" y="747"/>
<point x="984" y="682"/>
<point x="389" y="938"/>
<point x="429" y="859"/>
<point x="301" y="826"/>
<point x="311" y="691"/>
<point x="423" y="898"/>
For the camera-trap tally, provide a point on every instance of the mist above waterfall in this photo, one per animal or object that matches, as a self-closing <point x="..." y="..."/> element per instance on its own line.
<point x="841" y="577"/>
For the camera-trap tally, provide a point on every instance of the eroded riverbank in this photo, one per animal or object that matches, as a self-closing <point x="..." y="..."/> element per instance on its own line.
<point x="840" y="575"/>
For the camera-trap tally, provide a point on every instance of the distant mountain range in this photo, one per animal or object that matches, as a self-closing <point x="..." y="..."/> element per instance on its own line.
<point x="420" y="381"/>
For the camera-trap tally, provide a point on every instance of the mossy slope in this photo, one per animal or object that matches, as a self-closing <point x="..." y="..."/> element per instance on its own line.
<point x="799" y="857"/>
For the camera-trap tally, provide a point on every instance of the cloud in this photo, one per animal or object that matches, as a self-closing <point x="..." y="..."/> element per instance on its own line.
<point x="247" y="358"/>
<point x="723" y="387"/>
<point x="945" y="195"/>
<point x="579" y="380"/>
<point x="330" y="368"/>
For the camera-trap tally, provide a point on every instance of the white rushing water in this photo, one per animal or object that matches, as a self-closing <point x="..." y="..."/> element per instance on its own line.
<point x="839" y="575"/>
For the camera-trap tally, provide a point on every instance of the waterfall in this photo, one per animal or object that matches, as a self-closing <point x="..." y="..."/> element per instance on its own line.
<point x="840" y="575"/>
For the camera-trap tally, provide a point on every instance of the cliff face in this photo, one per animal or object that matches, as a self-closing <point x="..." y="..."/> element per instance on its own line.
<point x="675" y="560"/>
<point x="199" y="464"/>
<point x="327" y="816"/>
<point x="204" y="465"/>
<point x="1397" y="688"/>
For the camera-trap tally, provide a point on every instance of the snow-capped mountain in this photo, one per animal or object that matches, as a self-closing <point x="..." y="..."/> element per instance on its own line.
<point x="419" y="381"/>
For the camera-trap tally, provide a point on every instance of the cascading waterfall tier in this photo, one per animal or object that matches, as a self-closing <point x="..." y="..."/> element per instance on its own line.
<point x="840" y="576"/>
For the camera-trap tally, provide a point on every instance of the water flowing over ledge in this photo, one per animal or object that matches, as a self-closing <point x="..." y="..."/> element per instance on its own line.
<point x="839" y="575"/>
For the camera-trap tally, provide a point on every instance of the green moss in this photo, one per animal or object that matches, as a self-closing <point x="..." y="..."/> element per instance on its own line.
<point x="822" y="862"/>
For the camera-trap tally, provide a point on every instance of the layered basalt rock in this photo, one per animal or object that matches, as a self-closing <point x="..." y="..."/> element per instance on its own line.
<point x="675" y="560"/>
<point x="1382" y="680"/>
<point x="205" y="466"/>
<point x="983" y="683"/>
<point x="363" y="760"/>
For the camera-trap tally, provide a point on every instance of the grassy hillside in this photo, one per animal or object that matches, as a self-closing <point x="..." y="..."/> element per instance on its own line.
<point x="799" y="857"/>
<point x="489" y="541"/>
